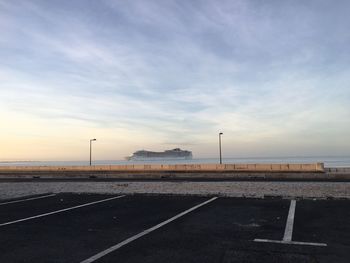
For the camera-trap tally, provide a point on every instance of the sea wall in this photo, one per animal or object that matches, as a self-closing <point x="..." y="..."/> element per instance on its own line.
<point x="312" y="171"/>
<point x="313" y="167"/>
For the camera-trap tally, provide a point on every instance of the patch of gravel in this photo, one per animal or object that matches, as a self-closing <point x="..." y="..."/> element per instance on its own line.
<point x="232" y="189"/>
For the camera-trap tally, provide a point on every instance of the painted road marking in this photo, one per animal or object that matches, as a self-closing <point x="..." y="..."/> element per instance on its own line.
<point x="28" y="199"/>
<point x="143" y="233"/>
<point x="290" y="242"/>
<point x="60" y="211"/>
<point x="288" y="232"/>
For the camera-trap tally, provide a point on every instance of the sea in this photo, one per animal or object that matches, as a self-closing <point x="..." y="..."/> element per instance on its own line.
<point x="330" y="161"/>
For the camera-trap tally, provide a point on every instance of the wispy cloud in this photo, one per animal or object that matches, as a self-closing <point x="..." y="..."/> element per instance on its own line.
<point x="175" y="72"/>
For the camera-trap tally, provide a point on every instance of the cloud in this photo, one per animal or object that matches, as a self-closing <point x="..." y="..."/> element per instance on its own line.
<point x="174" y="71"/>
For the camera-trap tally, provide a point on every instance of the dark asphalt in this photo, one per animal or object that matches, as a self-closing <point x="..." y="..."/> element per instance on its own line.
<point x="221" y="231"/>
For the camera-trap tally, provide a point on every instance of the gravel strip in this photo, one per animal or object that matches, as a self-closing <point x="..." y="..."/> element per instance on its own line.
<point x="232" y="189"/>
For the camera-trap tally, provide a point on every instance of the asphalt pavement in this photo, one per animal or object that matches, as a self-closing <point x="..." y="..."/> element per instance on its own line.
<point x="169" y="228"/>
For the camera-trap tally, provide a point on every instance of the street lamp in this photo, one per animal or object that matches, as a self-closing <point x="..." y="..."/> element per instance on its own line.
<point x="220" y="146"/>
<point x="91" y="140"/>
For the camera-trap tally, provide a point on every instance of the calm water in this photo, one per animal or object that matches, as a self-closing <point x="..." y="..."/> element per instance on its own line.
<point x="328" y="161"/>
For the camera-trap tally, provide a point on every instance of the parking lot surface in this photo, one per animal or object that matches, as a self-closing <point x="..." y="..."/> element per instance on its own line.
<point x="162" y="228"/>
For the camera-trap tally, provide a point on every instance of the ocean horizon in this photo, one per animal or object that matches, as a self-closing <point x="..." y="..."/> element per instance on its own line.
<point x="329" y="161"/>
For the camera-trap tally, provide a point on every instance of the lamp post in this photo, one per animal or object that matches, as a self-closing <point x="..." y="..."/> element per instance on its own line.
<point x="220" y="146"/>
<point x="91" y="140"/>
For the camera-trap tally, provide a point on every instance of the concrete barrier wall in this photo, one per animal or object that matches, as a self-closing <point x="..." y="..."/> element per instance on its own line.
<point x="345" y="170"/>
<point x="313" y="167"/>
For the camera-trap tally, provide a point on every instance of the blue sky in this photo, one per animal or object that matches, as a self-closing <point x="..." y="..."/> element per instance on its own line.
<point x="273" y="76"/>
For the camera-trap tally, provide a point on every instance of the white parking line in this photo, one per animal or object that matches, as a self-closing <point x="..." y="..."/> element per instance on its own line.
<point x="288" y="232"/>
<point x="60" y="211"/>
<point x="143" y="233"/>
<point x="290" y="242"/>
<point x="28" y="199"/>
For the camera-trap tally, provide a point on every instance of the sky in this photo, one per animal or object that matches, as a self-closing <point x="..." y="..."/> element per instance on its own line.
<point x="273" y="76"/>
